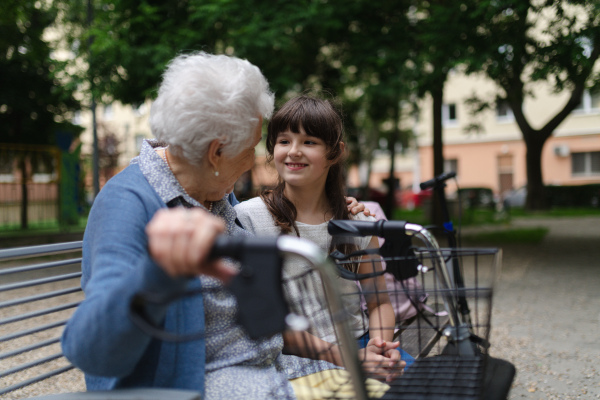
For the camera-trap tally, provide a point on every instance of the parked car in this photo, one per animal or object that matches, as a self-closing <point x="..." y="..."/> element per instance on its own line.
<point x="515" y="198"/>
<point x="476" y="197"/>
<point x="371" y="195"/>
<point x="409" y="199"/>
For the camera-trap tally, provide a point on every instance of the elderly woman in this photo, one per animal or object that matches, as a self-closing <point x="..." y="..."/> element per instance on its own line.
<point x="150" y="229"/>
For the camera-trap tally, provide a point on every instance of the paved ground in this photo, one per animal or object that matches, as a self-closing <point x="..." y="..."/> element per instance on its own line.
<point x="546" y="317"/>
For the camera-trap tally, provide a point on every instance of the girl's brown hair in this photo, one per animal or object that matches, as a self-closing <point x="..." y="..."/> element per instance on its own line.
<point x="322" y="119"/>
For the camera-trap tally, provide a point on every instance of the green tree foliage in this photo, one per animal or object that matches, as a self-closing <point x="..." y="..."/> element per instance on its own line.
<point x="353" y="50"/>
<point x="372" y="56"/>
<point x="131" y="41"/>
<point x="519" y="44"/>
<point x="35" y="95"/>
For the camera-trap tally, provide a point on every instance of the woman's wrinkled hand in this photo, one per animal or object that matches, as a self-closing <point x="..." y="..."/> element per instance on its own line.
<point x="381" y="359"/>
<point x="180" y="240"/>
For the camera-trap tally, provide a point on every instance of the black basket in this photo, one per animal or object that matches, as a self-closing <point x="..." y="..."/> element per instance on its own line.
<point x="447" y="331"/>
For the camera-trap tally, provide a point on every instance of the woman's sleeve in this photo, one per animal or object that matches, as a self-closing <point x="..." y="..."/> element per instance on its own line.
<point x="100" y="338"/>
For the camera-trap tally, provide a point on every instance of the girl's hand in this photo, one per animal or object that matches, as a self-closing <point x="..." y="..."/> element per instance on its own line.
<point x="355" y="207"/>
<point x="381" y="360"/>
<point x="180" y="240"/>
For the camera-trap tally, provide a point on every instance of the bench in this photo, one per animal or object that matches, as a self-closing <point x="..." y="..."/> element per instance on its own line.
<point x="40" y="290"/>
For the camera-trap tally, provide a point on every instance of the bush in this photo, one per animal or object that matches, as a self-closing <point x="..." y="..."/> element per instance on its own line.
<point x="527" y="236"/>
<point x="573" y="196"/>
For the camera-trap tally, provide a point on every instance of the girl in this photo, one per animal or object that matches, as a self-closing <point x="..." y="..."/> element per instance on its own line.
<point x="305" y="142"/>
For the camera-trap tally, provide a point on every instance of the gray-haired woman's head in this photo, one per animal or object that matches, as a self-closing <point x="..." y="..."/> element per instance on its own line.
<point x="205" y="97"/>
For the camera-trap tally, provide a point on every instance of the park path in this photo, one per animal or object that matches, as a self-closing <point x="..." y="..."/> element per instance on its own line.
<point x="546" y="316"/>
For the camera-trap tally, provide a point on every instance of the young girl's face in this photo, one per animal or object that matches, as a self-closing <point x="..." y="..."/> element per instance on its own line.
<point x="301" y="160"/>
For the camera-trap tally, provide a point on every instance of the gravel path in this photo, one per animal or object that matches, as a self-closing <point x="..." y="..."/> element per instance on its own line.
<point x="546" y="317"/>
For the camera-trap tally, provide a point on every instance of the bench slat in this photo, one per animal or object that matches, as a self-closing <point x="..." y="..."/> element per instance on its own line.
<point x="29" y="348"/>
<point x="29" y="251"/>
<point x="36" y="379"/>
<point x="43" y="296"/>
<point x="37" y="329"/>
<point x="35" y="267"/>
<point x="30" y="364"/>
<point x="39" y="313"/>
<point x="37" y="282"/>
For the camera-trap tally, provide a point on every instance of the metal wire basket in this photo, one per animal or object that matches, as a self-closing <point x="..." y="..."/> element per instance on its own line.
<point x="320" y="299"/>
<point x="450" y="291"/>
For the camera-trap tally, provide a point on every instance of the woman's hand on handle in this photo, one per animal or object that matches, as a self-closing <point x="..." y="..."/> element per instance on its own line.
<point x="180" y="240"/>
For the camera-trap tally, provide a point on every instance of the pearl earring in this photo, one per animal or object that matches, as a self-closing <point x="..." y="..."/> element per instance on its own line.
<point x="216" y="173"/>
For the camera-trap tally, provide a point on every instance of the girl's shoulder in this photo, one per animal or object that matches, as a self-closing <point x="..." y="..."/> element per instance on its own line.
<point x="254" y="216"/>
<point x="254" y="203"/>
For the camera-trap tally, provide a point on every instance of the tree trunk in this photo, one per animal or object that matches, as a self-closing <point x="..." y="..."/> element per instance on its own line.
<point x="364" y="189"/>
<point x="24" y="198"/>
<point x="438" y="149"/>
<point x="536" y="198"/>
<point x="390" y="203"/>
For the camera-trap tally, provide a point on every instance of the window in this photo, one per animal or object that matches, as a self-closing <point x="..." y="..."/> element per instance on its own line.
<point x="140" y="109"/>
<point x="451" y="165"/>
<point x="108" y="113"/>
<point x="449" y="117"/>
<point x="504" y="112"/>
<point x="139" y="139"/>
<point x="77" y="120"/>
<point x="590" y="103"/>
<point x="505" y="172"/>
<point x="585" y="163"/>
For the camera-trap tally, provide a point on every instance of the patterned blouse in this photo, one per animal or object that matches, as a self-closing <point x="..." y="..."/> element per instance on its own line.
<point x="236" y="366"/>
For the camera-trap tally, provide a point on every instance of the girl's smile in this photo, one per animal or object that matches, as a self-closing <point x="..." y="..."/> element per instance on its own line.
<point x="295" y="166"/>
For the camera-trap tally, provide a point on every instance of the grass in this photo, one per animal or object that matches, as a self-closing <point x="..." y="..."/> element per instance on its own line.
<point x="45" y="227"/>
<point x="556" y="212"/>
<point x="527" y="236"/>
<point x="474" y="217"/>
<point x="478" y="217"/>
<point x="416" y="216"/>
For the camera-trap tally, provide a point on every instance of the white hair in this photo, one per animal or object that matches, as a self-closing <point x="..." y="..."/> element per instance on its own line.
<point x="204" y="97"/>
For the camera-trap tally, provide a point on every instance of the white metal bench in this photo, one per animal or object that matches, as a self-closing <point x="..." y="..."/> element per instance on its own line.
<point x="40" y="289"/>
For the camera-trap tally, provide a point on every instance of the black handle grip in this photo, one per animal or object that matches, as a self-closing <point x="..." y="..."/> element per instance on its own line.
<point x="261" y="304"/>
<point x="437" y="180"/>
<point x="237" y="246"/>
<point x="381" y="228"/>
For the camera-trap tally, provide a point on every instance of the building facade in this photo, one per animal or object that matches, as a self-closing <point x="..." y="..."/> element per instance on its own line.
<point x="494" y="157"/>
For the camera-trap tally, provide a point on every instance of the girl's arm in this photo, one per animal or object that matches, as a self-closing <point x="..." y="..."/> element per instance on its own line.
<point x="379" y="359"/>
<point x="382" y="320"/>
<point x="304" y="344"/>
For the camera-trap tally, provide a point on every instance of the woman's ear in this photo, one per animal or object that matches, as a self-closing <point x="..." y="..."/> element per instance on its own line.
<point x="214" y="154"/>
